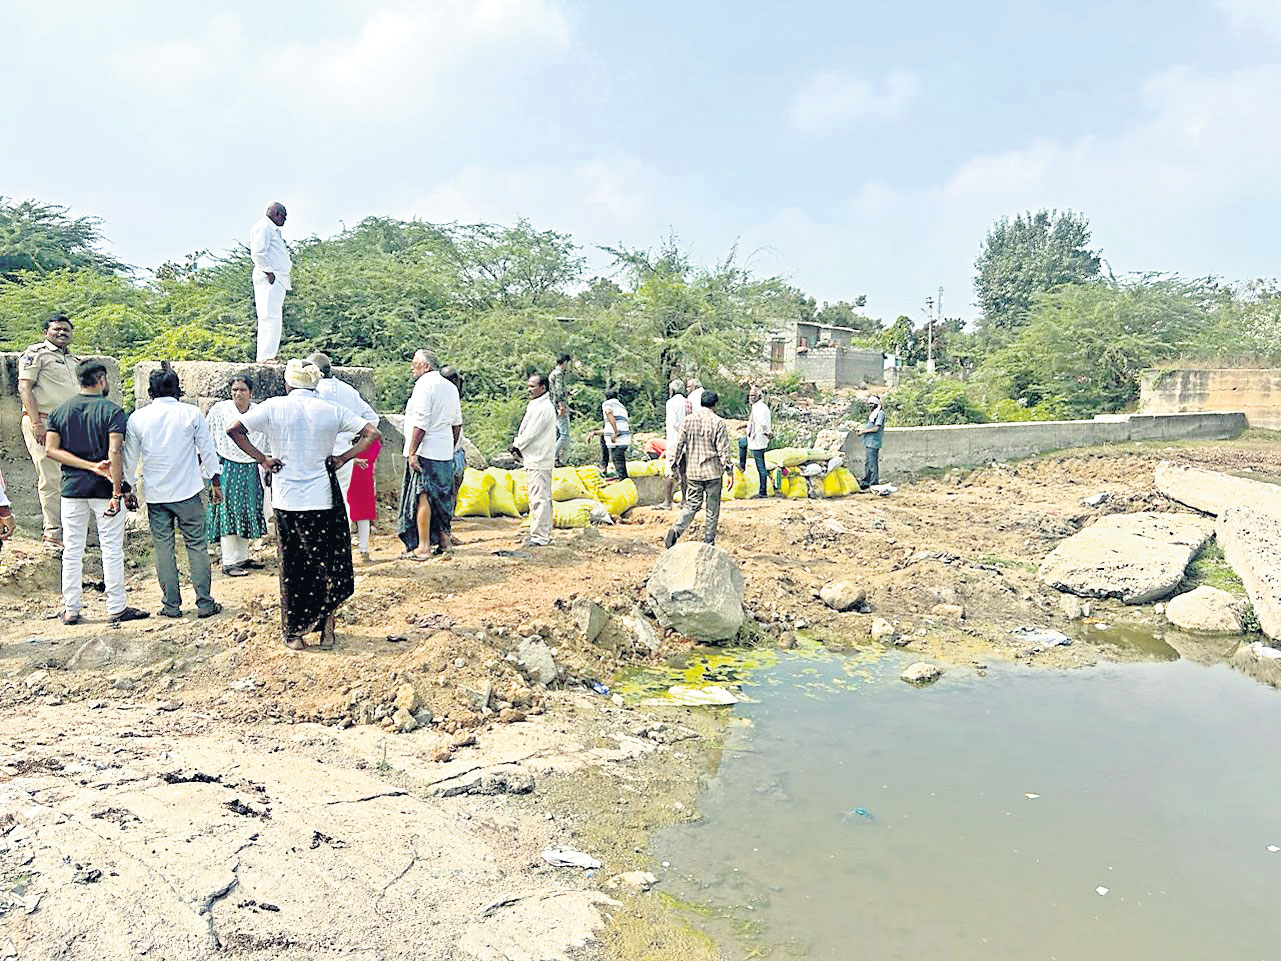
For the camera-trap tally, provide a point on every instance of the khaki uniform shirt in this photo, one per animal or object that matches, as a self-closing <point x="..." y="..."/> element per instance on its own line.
<point x="51" y="373"/>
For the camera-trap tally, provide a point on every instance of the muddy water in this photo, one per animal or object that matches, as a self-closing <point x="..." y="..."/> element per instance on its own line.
<point x="854" y="816"/>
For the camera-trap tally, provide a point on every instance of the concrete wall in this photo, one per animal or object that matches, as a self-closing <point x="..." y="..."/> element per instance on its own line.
<point x="1256" y="393"/>
<point x="832" y="367"/>
<point x="910" y="450"/>
<point x="19" y="474"/>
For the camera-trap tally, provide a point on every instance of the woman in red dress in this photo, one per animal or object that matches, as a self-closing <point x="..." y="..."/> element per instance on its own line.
<point x="362" y="504"/>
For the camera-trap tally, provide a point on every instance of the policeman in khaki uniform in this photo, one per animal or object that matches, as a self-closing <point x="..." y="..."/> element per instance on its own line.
<point x="47" y="378"/>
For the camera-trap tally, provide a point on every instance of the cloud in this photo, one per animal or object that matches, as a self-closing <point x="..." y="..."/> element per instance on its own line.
<point x="1184" y="188"/>
<point x="413" y="55"/>
<point x="1252" y="16"/>
<point x="833" y="99"/>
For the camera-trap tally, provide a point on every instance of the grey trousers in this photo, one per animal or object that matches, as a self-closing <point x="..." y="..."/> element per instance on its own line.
<point x="697" y="495"/>
<point x="872" y="466"/>
<point x="190" y="518"/>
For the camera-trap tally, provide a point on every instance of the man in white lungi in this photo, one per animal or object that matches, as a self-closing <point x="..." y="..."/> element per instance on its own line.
<point x="272" y="267"/>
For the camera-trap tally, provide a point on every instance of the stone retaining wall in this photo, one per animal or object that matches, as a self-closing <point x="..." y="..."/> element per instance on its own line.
<point x="911" y="450"/>
<point x="1254" y="392"/>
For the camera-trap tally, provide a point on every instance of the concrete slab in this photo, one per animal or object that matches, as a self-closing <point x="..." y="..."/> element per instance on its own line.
<point x="1135" y="557"/>
<point x="1212" y="492"/>
<point x="1251" y="542"/>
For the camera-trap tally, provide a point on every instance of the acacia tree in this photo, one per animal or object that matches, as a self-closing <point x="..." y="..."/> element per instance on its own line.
<point x="1033" y="254"/>
<point x="38" y="238"/>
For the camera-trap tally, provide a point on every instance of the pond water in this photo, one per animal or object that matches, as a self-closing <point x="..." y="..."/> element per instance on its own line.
<point x="854" y="816"/>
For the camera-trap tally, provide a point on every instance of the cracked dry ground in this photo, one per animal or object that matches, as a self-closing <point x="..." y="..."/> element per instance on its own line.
<point x="191" y="789"/>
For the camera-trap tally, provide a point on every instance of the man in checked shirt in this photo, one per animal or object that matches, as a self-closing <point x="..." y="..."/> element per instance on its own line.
<point x="704" y="443"/>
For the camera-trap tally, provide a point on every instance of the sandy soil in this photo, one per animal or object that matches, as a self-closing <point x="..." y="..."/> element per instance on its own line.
<point x="190" y="788"/>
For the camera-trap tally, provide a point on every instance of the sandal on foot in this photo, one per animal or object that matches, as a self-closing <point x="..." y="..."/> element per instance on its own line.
<point x="128" y="614"/>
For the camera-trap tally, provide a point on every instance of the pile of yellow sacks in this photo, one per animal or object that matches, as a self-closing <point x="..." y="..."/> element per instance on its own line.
<point x="576" y="492"/>
<point x="785" y="480"/>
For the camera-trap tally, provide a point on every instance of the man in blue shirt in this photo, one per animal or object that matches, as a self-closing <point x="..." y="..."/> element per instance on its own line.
<point x="872" y="432"/>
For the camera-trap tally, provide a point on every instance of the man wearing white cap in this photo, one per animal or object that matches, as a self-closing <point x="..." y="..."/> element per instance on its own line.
<point x="313" y="536"/>
<point x="676" y="411"/>
<point x="872" y="432"/>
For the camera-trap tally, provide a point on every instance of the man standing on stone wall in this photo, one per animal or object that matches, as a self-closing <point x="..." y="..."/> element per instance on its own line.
<point x="272" y="267"/>
<point x="47" y="378"/>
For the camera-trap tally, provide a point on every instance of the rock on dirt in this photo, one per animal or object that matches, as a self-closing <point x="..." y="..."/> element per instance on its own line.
<point x="842" y="595"/>
<point x="1074" y="608"/>
<point x="950" y="612"/>
<point x="1257" y="660"/>
<point x="883" y="631"/>
<point x="921" y="673"/>
<point x="535" y="660"/>
<point x="1212" y="492"/>
<point x="590" y="618"/>
<point x="636" y="882"/>
<point x="1136" y="557"/>
<point x="1206" y="610"/>
<point x="1251" y="542"/>
<point x="640" y="633"/>
<point x="697" y="589"/>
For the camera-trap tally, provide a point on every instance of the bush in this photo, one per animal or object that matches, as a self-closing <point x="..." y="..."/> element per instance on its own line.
<point x="932" y="400"/>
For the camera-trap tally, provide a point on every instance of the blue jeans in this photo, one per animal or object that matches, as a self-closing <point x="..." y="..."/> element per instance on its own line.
<point x="872" y="466"/>
<point x="562" y="436"/>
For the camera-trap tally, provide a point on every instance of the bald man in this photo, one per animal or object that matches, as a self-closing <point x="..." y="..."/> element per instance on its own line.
<point x="272" y="267"/>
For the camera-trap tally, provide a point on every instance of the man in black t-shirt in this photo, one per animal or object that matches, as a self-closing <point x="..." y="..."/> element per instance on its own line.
<point x="86" y="436"/>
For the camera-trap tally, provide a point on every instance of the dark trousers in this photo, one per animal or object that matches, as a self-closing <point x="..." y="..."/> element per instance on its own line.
<point x="618" y="455"/>
<point x="189" y="515"/>
<point x="872" y="466"/>
<point x="706" y="494"/>
<point x="758" y="456"/>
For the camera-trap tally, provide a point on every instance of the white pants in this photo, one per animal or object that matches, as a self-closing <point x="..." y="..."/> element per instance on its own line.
<point x="362" y="532"/>
<point x="76" y="512"/>
<point x="235" y="550"/>
<point x="539" y="483"/>
<point x="269" y="300"/>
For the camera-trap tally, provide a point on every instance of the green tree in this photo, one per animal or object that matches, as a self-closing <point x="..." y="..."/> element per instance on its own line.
<point x="904" y="341"/>
<point x="1033" y="254"/>
<point x="846" y="314"/>
<point x="37" y="239"/>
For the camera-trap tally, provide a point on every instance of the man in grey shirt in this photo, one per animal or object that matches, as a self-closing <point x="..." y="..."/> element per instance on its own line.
<point x="872" y="432"/>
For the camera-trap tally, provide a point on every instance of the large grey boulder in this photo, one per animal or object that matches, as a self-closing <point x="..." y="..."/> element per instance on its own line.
<point x="534" y="658"/>
<point x="1212" y="492"/>
<point x="697" y="589"/>
<point x="1251" y="542"/>
<point x="842" y="595"/>
<point x="1206" y="610"/>
<point x="1136" y="557"/>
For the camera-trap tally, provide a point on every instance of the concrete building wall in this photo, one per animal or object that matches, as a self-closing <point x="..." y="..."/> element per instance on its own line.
<point x="910" y="450"/>
<point x="19" y="474"/>
<point x="1256" y="393"/>
<point x="832" y="367"/>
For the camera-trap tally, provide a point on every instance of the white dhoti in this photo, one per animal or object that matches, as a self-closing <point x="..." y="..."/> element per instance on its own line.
<point x="269" y="301"/>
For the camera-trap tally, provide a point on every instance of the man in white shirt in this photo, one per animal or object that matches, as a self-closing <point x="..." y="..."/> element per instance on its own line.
<point x="433" y="424"/>
<point x="675" y="418"/>
<point x="272" y="267"/>
<point x="313" y="533"/>
<point x="535" y="445"/>
<point x="348" y="398"/>
<point x="177" y="454"/>
<point x="760" y="428"/>
<point x="693" y="395"/>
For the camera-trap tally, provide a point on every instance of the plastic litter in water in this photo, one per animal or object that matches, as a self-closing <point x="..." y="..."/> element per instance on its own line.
<point x="1030" y="796"/>
<point x="1273" y="849"/>
<point x="599" y="688"/>
<point x="1101" y="890"/>
<point x="1262" y="650"/>
<point x="1043" y="636"/>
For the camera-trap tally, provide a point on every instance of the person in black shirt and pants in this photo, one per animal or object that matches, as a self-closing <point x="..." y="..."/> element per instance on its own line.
<point x="86" y="436"/>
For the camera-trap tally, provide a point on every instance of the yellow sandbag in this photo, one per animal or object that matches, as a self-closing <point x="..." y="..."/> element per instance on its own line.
<point x="846" y="480"/>
<point x="815" y="453"/>
<point x="832" y="486"/>
<point x="644" y="468"/>
<point x="591" y="479"/>
<point x="502" y="502"/>
<point x="473" y="496"/>
<point x="619" y="497"/>
<point x="785" y="457"/>
<point x="736" y="487"/>
<point x="566" y="485"/>
<point x="520" y="491"/>
<point x="794" y="486"/>
<point x="573" y="513"/>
